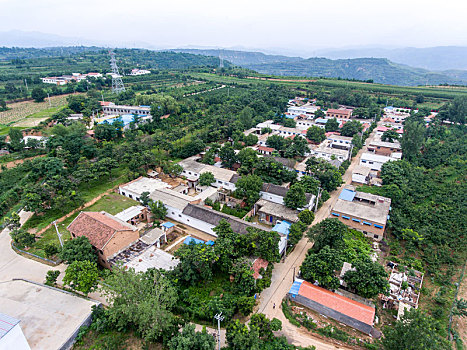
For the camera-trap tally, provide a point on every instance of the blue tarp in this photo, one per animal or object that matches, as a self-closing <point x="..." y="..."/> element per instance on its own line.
<point x="188" y="240"/>
<point x="295" y="288"/>
<point x="347" y="195"/>
<point x="125" y="118"/>
<point x="168" y="224"/>
<point x="283" y="227"/>
<point x="209" y="242"/>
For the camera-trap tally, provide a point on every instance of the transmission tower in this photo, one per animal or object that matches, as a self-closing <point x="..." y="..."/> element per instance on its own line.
<point x="117" y="83"/>
<point x="221" y="60"/>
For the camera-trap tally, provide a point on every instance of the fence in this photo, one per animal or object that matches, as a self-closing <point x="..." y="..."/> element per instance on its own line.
<point x="36" y="256"/>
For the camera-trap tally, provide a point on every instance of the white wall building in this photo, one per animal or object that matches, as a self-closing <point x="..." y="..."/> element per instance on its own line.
<point x="327" y="152"/>
<point x="112" y="109"/>
<point x="375" y="161"/>
<point x="11" y="335"/>
<point x="137" y="71"/>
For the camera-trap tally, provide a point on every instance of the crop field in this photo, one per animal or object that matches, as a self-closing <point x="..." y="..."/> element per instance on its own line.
<point x="36" y="110"/>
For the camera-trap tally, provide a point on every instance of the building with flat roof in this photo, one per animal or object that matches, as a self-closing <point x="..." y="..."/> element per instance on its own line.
<point x="326" y="151"/>
<point x="271" y="213"/>
<point x="384" y="148"/>
<point x="112" y="109"/>
<point x="361" y="174"/>
<point x="193" y="169"/>
<point x="135" y="188"/>
<point x="376" y="161"/>
<point x="362" y="211"/>
<point x="338" y="307"/>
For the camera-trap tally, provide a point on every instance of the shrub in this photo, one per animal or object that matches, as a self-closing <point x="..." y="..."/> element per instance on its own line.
<point x="245" y="305"/>
<point x="50" y="250"/>
<point x="51" y="277"/>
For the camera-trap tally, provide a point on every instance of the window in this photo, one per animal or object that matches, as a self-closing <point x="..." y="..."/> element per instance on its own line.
<point x="137" y="198"/>
<point x="335" y="214"/>
<point x="345" y="217"/>
<point x="376" y="236"/>
<point x="130" y="196"/>
<point x="123" y="193"/>
<point x="173" y="213"/>
<point x="363" y="161"/>
<point x="378" y="226"/>
<point x="179" y="215"/>
<point x="356" y="220"/>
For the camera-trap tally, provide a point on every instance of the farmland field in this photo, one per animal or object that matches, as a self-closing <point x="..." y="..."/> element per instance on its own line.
<point x="21" y="110"/>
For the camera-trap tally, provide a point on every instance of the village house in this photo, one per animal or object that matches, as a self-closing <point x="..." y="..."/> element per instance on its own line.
<point x="275" y="193"/>
<point x="107" y="234"/>
<point x="326" y="151"/>
<point x="339" y="113"/>
<point x="375" y="161"/>
<point x="361" y="175"/>
<point x="272" y="213"/>
<point x="362" y="211"/>
<point x="307" y="109"/>
<point x="133" y="215"/>
<point x="384" y="148"/>
<point x="340" y="142"/>
<point x="267" y="151"/>
<point x="193" y="169"/>
<point x="112" y="109"/>
<point x="341" y="308"/>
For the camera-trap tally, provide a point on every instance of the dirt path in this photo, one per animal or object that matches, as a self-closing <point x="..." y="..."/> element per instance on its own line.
<point x="460" y="323"/>
<point x="285" y="80"/>
<point x="283" y="273"/>
<point x="18" y="161"/>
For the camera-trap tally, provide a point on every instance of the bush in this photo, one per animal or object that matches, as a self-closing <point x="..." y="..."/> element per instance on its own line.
<point x="245" y="305"/>
<point x="50" y="250"/>
<point x="22" y="238"/>
<point x="306" y="216"/>
<point x="51" y="277"/>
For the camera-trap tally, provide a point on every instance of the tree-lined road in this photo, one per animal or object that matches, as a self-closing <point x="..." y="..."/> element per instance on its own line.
<point x="282" y="277"/>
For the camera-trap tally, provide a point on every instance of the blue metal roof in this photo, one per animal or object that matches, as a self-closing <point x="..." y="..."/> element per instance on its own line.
<point x="295" y="288"/>
<point x="321" y="120"/>
<point x="347" y="195"/>
<point x="168" y="224"/>
<point x="6" y="324"/>
<point x="283" y="227"/>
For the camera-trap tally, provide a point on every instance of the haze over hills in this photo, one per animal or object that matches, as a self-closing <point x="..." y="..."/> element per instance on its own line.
<point x="380" y="70"/>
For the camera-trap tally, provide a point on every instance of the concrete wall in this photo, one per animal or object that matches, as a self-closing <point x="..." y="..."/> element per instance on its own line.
<point x="272" y="197"/>
<point x="177" y="215"/>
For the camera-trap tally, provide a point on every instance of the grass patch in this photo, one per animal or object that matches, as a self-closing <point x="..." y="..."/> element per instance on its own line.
<point x="112" y="203"/>
<point x="114" y="340"/>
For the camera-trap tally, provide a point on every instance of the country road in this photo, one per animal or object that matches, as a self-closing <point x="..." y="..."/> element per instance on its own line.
<point x="282" y="277"/>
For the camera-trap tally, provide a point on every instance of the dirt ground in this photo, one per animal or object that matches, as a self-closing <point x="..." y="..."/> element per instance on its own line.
<point x="460" y="323"/>
<point x="29" y="122"/>
<point x="19" y="161"/>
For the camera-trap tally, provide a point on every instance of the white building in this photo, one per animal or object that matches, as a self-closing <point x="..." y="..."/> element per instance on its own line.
<point x="375" y="161"/>
<point x="339" y="141"/>
<point x="327" y="152"/>
<point x="361" y="174"/>
<point x="137" y="71"/>
<point x="11" y="335"/>
<point x="307" y="109"/>
<point x="192" y="169"/>
<point x="112" y="109"/>
<point x="54" y="80"/>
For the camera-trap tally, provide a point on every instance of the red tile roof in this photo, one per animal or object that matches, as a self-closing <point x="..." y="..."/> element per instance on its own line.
<point x="259" y="264"/>
<point x="98" y="227"/>
<point x="339" y="303"/>
<point x="339" y="111"/>
<point x="265" y="149"/>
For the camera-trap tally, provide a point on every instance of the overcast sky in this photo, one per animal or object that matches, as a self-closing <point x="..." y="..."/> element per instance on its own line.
<point x="263" y="24"/>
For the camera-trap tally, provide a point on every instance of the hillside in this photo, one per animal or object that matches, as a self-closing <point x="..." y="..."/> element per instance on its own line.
<point x="379" y="70"/>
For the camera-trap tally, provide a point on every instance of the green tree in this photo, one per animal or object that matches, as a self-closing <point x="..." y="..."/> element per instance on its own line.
<point x="248" y="188"/>
<point x="189" y="339"/>
<point x="82" y="276"/>
<point x="248" y="159"/>
<point x="264" y="326"/>
<point x="158" y="209"/>
<point x="12" y="222"/>
<point x="50" y="250"/>
<point x="322" y="267"/>
<point x="277" y="142"/>
<point x="331" y="125"/>
<point x="319" y="114"/>
<point x="306" y="216"/>
<point x="206" y="179"/>
<point x="316" y="134"/>
<point x="16" y="139"/>
<point x="224" y="246"/>
<point x="415" y="330"/>
<point x="196" y="262"/>
<point x="245" y="304"/>
<point x="351" y="128"/>
<point x="329" y="232"/>
<point x="296" y="233"/>
<point x="173" y="169"/>
<point x="412" y="140"/>
<point x="239" y="337"/>
<point x="246" y="117"/>
<point x="38" y="94"/>
<point x="22" y="238"/>
<point x="144" y="198"/>
<point x="390" y="135"/>
<point x="368" y="279"/>
<point x="140" y="300"/>
<point x="244" y="282"/>
<point x="310" y="184"/>
<point x="227" y="155"/>
<point x="295" y="197"/>
<point x="78" y="249"/>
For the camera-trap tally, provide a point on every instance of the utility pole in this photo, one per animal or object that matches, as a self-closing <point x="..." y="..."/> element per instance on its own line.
<point x="117" y="83"/>
<point x="48" y="96"/>
<point x="219" y="318"/>
<point x="58" y="233"/>
<point x="26" y="83"/>
<point x="317" y="199"/>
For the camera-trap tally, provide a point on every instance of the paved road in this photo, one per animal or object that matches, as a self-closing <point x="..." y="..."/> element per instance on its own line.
<point x="282" y="277"/>
<point x="13" y="265"/>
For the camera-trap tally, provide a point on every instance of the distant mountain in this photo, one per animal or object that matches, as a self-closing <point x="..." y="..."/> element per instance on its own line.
<point x="379" y="70"/>
<point x="431" y="58"/>
<point x="19" y="38"/>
